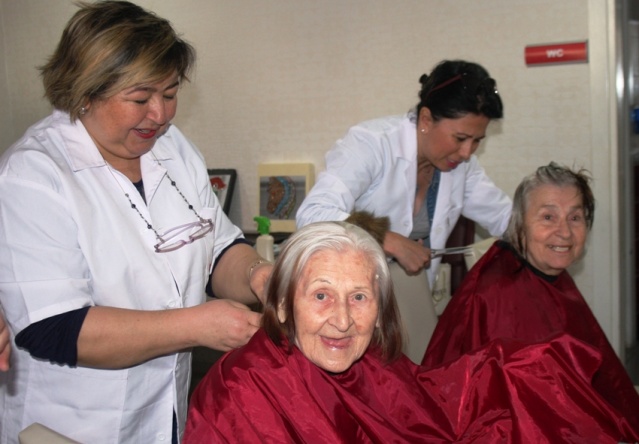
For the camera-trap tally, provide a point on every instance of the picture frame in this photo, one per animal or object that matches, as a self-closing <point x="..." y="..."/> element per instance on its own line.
<point x="281" y="189"/>
<point x="223" y="184"/>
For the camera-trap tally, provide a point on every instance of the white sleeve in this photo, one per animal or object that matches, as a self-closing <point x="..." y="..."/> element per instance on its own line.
<point x="484" y="202"/>
<point x="43" y="271"/>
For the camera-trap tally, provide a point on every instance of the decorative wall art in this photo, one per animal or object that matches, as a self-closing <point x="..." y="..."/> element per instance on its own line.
<point x="223" y="183"/>
<point x="282" y="188"/>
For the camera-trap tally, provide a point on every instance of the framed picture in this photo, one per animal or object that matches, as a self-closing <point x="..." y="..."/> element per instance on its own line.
<point x="282" y="188"/>
<point x="223" y="183"/>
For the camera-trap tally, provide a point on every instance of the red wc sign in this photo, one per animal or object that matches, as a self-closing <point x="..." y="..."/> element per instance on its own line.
<point x="557" y="53"/>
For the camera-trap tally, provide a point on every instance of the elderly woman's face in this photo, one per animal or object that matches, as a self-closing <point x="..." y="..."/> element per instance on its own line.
<point x="554" y="228"/>
<point x="336" y="307"/>
<point x="127" y="125"/>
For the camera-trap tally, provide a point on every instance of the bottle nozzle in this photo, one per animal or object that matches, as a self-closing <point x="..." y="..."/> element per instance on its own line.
<point x="263" y="224"/>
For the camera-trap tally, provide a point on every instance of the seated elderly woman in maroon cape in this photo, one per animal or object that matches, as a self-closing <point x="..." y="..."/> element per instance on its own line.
<point x="520" y="288"/>
<point x="327" y="367"/>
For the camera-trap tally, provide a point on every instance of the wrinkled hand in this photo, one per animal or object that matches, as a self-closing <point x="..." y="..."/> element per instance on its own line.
<point x="5" y="345"/>
<point x="228" y="324"/>
<point x="411" y="255"/>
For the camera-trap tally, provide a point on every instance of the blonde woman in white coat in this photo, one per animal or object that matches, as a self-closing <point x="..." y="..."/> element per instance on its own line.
<point x="420" y="171"/>
<point x="110" y="236"/>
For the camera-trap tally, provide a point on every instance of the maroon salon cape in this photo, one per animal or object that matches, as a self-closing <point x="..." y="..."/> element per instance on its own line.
<point x="504" y="297"/>
<point x="504" y="392"/>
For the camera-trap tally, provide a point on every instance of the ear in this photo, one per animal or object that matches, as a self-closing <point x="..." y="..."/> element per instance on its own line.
<point x="281" y="312"/>
<point x="86" y="103"/>
<point x="524" y="245"/>
<point x="425" y="120"/>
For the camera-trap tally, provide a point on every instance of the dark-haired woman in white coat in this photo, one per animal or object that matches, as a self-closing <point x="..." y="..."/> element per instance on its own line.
<point x="420" y="171"/>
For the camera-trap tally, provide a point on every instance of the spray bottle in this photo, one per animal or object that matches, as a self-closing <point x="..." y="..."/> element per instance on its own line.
<point x="264" y="242"/>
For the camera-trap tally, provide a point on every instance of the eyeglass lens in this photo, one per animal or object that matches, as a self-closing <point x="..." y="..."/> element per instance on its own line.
<point x="168" y="242"/>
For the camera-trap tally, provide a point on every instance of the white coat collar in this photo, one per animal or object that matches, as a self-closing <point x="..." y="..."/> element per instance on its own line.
<point x="407" y="147"/>
<point x="407" y="150"/>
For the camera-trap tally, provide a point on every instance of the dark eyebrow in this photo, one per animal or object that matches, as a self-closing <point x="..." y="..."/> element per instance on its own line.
<point x="462" y="134"/>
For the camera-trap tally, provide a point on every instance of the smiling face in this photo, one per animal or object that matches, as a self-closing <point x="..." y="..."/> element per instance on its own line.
<point x="336" y="308"/>
<point x="554" y="228"/>
<point x="448" y="142"/>
<point x="127" y="125"/>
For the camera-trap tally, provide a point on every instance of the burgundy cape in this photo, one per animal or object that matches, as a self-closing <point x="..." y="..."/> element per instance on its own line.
<point x="504" y="297"/>
<point x="262" y="393"/>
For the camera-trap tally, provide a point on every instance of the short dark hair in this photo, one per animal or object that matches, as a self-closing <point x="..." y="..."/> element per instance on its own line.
<point x="108" y="46"/>
<point x="288" y="269"/>
<point x="456" y="88"/>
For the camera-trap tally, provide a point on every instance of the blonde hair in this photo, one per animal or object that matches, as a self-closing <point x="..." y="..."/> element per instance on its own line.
<point x="108" y="46"/>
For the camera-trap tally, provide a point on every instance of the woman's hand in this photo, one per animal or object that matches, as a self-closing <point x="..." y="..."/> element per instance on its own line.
<point x="411" y="255"/>
<point x="229" y="324"/>
<point x="5" y="344"/>
<point x="258" y="278"/>
<point x="118" y="338"/>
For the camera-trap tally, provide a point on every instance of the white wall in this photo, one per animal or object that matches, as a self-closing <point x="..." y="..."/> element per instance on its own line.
<point x="6" y="130"/>
<point x="281" y="80"/>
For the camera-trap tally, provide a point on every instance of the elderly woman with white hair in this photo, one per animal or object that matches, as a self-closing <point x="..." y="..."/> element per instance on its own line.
<point x="327" y="366"/>
<point x="521" y="289"/>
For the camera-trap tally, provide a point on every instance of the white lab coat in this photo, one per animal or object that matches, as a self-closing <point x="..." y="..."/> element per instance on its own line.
<point x="374" y="168"/>
<point x="69" y="238"/>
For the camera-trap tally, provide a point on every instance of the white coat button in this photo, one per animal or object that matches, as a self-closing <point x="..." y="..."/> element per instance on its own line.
<point x="172" y="304"/>
<point x="161" y="437"/>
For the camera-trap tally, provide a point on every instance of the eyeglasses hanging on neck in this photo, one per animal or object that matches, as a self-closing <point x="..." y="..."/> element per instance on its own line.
<point x="176" y="237"/>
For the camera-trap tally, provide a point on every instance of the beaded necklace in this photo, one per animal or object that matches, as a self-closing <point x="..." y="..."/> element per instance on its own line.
<point x="135" y="207"/>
